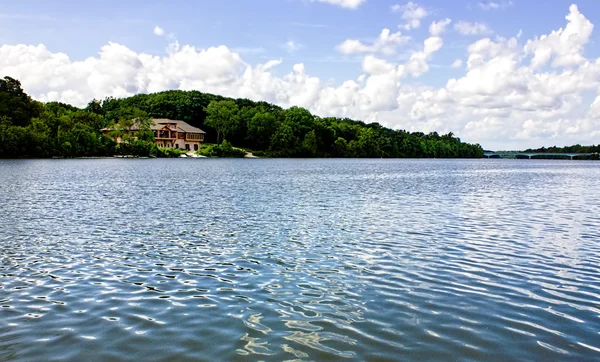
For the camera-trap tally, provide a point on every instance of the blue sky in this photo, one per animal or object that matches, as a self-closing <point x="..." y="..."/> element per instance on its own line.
<point x="260" y="29"/>
<point x="301" y="32"/>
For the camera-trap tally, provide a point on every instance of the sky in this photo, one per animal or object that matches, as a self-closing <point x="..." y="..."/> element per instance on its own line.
<point x="507" y="74"/>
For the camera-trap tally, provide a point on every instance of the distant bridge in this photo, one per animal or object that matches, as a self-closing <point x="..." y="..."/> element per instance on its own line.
<point x="539" y="156"/>
<point x="553" y="156"/>
<point x="490" y="154"/>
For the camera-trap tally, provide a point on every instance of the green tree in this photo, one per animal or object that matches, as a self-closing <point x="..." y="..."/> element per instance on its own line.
<point x="261" y="128"/>
<point x="15" y="104"/>
<point x="94" y="106"/>
<point x="309" y="144"/>
<point x="341" y="147"/>
<point x="300" y="120"/>
<point x="367" y="144"/>
<point x="223" y="117"/>
<point x="283" y="142"/>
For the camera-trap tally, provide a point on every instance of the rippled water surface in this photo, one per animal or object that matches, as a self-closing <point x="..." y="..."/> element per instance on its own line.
<point x="190" y="259"/>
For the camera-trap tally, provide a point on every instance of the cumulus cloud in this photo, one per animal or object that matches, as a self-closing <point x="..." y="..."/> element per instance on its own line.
<point x="386" y="43"/>
<point x="467" y="28"/>
<point x="507" y="98"/>
<point x="159" y="31"/>
<point x="564" y="46"/>
<point x="418" y="63"/>
<point x="412" y="13"/>
<point x="437" y="28"/>
<point x="349" y="4"/>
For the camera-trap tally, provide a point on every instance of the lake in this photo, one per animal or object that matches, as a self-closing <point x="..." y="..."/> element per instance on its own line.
<point x="279" y="259"/>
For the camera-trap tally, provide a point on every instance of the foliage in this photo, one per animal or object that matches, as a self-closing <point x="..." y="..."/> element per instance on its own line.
<point x="33" y="129"/>
<point x="223" y="117"/>
<point x="169" y="152"/>
<point x="225" y="149"/>
<point x="568" y="149"/>
<point x="15" y="104"/>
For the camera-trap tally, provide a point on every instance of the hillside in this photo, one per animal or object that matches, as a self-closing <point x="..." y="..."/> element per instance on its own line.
<point x="32" y="129"/>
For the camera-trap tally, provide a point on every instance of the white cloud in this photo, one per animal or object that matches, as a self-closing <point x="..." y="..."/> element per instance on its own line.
<point x="291" y="47"/>
<point x="457" y="63"/>
<point x="438" y="28"/>
<point x="349" y="4"/>
<point x="159" y="31"/>
<point x="563" y="46"/>
<point x="495" y="5"/>
<point x="412" y="13"/>
<point x="417" y="65"/>
<point x="467" y="28"/>
<point x="507" y="98"/>
<point x="386" y="43"/>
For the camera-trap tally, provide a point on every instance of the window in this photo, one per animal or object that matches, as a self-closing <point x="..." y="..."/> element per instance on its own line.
<point x="187" y="146"/>
<point x="195" y="136"/>
<point x="195" y="147"/>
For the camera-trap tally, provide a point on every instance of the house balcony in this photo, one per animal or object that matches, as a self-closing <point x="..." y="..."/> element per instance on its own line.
<point x="165" y="135"/>
<point x="195" y="138"/>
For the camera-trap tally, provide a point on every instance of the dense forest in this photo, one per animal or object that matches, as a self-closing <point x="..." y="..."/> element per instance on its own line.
<point x="567" y="149"/>
<point x="33" y="129"/>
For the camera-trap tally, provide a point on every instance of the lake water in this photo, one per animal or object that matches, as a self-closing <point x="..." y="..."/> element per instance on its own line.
<point x="199" y="259"/>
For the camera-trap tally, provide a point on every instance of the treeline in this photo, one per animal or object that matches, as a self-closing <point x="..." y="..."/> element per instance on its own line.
<point x="568" y="149"/>
<point x="33" y="129"/>
<point x="269" y="130"/>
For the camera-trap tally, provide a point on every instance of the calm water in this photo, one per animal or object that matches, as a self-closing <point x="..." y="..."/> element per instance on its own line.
<point x="373" y="260"/>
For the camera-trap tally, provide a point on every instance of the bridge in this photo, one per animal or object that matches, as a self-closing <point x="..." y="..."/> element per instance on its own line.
<point x="491" y="154"/>
<point x="554" y="156"/>
<point x="540" y="156"/>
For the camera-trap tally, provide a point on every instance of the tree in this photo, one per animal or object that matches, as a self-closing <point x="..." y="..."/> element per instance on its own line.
<point x="15" y="104"/>
<point x="94" y="106"/>
<point x="366" y="144"/>
<point x="300" y="119"/>
<point x="283" y="142"/>
<point x="223" y="117"/>
<point x="260" y="129"/>
<point x="341" y="147"/>
<point x="309" y="144"/>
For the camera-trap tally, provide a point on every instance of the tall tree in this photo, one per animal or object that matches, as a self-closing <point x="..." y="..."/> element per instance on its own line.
<point x="223" y="117"/>
<point x="260" y="129"/>
<point x="15" y="104"/>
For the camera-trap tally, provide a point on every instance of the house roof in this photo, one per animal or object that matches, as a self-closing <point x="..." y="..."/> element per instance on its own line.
<point x="160" y="123"/>
<point x="181" y="125"/>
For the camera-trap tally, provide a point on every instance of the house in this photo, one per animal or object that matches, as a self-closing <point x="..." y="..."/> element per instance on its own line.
<point x="176" y="134"/>
<point x="170" y="134"/>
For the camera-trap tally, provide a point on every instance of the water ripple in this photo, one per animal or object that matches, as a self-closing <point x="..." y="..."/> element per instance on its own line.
<point x="299" y="260"/>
